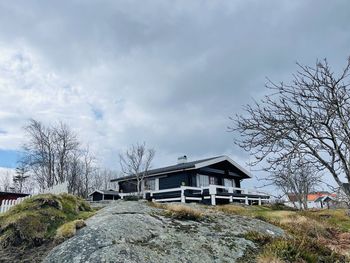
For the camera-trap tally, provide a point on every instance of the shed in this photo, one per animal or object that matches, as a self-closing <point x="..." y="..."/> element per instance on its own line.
<point x="101" y="195"/>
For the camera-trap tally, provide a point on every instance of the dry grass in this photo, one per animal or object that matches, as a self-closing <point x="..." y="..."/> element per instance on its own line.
<point x="69" y="229"/>
<point x="183" y="212"/>
<point x="179" y="211"/>
<point x="269" y="259"/>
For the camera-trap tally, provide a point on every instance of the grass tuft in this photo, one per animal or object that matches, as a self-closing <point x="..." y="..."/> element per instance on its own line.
<point x="183" y="212"/>
<point x="69" y="229"/>
<point x="179" y="211"/>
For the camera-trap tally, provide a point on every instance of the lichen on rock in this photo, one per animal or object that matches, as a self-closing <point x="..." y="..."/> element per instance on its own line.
<point x="137" y="232"/>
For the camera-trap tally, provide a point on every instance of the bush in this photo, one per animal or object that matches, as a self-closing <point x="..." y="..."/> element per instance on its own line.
<point x="131" y="198"/>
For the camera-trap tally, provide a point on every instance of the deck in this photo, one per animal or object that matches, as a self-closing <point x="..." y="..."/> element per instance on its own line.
<point x="212" y="194"/>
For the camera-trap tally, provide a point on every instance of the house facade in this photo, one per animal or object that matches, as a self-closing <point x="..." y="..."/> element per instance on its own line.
<point x="193" y="181"/>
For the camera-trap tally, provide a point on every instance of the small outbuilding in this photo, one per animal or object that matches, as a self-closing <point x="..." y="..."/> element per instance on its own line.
<point x="101" y="195"/>
<point x="325" y="201"/>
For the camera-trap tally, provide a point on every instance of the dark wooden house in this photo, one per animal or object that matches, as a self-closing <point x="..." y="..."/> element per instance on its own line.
<point x="194" y="178"/>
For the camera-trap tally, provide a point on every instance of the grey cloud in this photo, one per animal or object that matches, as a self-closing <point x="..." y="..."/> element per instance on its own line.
<point x="183" y="67"/>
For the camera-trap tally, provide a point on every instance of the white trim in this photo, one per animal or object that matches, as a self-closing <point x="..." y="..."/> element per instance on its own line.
<point x="168" y="199"/>
<point x="221" y="159"/>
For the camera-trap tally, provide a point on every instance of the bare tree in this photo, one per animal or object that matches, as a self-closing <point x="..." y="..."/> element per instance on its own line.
<point x="296" y="178"/>
<point x="20" y="178"/>
<point x="136" y="161"/>
<point x="5" y="181"/>
<point x="54" y="155"/>
<point x="310" y="116"/>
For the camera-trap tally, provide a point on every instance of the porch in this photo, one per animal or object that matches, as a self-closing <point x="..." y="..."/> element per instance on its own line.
<point x="212" y="194"/>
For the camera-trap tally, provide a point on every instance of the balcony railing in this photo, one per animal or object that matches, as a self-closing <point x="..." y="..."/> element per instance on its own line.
<point x="211" y="192"/>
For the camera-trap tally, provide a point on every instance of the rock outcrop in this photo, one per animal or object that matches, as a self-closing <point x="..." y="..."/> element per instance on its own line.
<point x="135" y="232"/>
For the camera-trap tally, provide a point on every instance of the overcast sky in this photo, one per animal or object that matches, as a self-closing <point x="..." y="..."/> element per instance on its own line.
<point x="169" y="73"/>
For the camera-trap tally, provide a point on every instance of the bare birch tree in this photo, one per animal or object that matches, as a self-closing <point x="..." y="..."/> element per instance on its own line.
<point x="54" y="155"/>
<point x="136" y="161"/>
<point x="310" y="116"/>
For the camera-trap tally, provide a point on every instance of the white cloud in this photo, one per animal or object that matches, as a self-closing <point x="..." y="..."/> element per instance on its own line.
<point x="168" y="73"/>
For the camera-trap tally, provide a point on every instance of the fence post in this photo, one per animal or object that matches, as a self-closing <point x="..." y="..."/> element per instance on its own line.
<point x="183" y="198"/>
<point x="2" y="208"/>
<point x="246" y="200"/>
<point x="212" y="192"/>
<point x="259" y="200"/>
<point x="230" y="190"/>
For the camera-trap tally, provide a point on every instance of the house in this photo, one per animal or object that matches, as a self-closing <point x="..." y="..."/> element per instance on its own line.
<point x="101" y="195"/>
<point x="321" y="199"/>
<point x="212" y="180"/>
<point x="10" y="196"/>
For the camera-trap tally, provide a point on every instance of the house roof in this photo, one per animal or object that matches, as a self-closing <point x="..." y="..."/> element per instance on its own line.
<point x="312" y="196"/>
<point x="189" y="166"/>
<point x="105" y="192"/>
<point x="324" y="199"/>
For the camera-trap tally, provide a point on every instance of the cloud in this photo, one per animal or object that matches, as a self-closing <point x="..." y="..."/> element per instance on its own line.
<point x="168" y="73"/>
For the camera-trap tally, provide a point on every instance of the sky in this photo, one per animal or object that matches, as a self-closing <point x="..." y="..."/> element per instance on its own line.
<point x="168" y="73"/>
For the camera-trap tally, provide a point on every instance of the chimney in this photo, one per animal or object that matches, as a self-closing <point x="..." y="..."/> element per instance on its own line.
<point x="182" y="159"/>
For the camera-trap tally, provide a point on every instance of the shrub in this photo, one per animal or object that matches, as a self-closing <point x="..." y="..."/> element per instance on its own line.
<point x="131" y="198"/>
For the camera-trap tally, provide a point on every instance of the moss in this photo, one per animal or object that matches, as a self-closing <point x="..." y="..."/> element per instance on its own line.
<point x="69" y="229"/>
<point x="36" y="219"/>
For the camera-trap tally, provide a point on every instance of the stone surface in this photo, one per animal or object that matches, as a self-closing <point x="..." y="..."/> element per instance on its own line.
<point x="135" y="232"/>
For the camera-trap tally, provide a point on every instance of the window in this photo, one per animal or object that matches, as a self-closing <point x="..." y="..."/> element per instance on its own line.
<point x="202" y="180"/>
<point x="228" y="182"/>
<point x="213" y="180"/>
<point x="150" y="184"/>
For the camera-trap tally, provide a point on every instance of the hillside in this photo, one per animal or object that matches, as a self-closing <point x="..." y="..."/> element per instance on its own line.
<point x="32" y="228"/>
<point x="45" y="228"/>
<point x="147" y="232"/>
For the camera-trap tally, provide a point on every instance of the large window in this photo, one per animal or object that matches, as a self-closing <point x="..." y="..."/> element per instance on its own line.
<point x="202" y="180"/>
<point x="150" y="184"/>
<point x="229" y="182"/>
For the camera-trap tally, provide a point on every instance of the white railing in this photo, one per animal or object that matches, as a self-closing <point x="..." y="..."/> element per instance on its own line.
<point x="56" y="189"/>
<point x="6" y="204"/>
<point x="213" y="194"/>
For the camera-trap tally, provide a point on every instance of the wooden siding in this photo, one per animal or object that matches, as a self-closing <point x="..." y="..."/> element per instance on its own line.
<point x="96" y="196"/>
<point x="174" y="180"/>
<point x="128" y="186"/>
